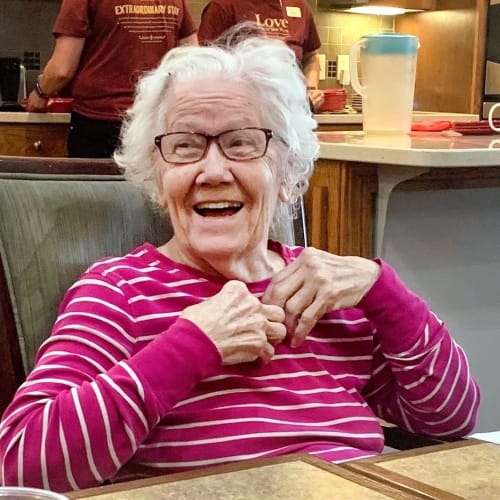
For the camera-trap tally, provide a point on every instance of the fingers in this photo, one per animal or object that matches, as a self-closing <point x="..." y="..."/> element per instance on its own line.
<point x="267" y="353"/>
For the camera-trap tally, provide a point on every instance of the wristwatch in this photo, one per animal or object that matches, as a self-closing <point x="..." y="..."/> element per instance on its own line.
<point x="39" y="91"/>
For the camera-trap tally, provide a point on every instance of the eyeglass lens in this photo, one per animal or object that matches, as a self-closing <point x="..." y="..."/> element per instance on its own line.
<point x="241" y="144"/>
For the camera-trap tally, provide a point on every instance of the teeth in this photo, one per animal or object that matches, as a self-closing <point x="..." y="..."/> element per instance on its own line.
<point x="218" y="205"/>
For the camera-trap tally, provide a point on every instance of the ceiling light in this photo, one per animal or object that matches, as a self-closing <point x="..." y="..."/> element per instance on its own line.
<point x="379" y="11"/>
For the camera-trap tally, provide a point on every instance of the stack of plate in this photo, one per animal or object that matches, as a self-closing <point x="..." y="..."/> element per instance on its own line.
<point x="357" y="102"/>
<point x="335" y="101"/>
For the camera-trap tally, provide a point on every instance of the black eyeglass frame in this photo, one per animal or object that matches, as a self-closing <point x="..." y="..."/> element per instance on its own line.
<point x="214" y="138"/>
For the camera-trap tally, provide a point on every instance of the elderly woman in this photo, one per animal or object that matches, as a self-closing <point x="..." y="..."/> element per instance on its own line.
<point x="220" y="345"/>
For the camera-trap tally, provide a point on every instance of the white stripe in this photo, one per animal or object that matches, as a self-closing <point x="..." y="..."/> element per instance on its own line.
<point x="403" y="416"/>
<point x="103" y="261"/>
<point x="293" y="407"/>
<point x="312" y="355"/>
<point x="269" y="377"/>
<point x="259" y="435"/>
<point x="426" y="334"/>
<point x="84" y="341"/>
<point x="428" y="374"/>
<point x="91" y="361"/>
<point x="263" y="389"/>
<point x="97" y="333"/>
<point x="342" y="321"/>
<point x="443" y="378"/>
<point x="148" y="317"/>
<point x="67" y="463"/>
<point x="86" y="438"/>
<point x="48" y="380"/>
<point x="125" y="397"/>
<point x="107" y="426"/>
<point x="153" y="298"/>
<point x="20" y="458"/>
<point x="43" y="450"/>
<point x="135" y="378"/>
<point x="115" y="325"/>
<point x="4" y="424"/>
<point x="96" y="282"/>
<point x="248" y="419"/>
<point x="131" y="438"/>
<point x="213" y="461"/>
<point x="104" y="303"/>
<point x="18" y="437"/>
<point x="367" y="338"/>
<point x="122" y="265"/>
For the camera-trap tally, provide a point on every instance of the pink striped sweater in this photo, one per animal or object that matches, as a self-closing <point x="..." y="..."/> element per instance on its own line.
<point x="123" y="381"/>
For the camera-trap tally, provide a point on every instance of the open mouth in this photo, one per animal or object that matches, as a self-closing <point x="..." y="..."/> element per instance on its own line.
<point x="218" y="209"/>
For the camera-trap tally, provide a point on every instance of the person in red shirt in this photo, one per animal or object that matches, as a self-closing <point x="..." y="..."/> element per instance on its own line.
<point x="102" y="47"/>
<point x="289" y="20"/>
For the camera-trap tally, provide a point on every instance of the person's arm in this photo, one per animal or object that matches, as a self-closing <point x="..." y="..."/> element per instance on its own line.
<point x="103" y="381"/>
<point x="188" y="40"/>
<point x="214" y="21"/>
<point x="311" y="68"/>
<point x="421" y="379"/>
<point x="93" y="397"/>
<point x="58" y="71"/>
<point x="420" y="376"/>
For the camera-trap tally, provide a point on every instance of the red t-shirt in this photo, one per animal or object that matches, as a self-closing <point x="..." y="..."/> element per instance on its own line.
<point x="122" y="40"/>
<point x="289" y="20"/>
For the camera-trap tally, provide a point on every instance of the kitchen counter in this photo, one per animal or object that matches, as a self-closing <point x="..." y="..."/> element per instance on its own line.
<point x="355" y="169"/>
<point x="418" y="149"/>
<point x="354" y="117"/>
<point x="24" y="117"/>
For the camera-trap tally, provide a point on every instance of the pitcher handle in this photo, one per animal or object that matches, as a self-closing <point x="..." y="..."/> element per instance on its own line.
<point x="22" y="81"/>
<point x="353" y="68"/>
<point x="490" y="117"/>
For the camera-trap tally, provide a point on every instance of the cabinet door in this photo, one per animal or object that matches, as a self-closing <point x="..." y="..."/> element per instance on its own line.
<point x="29" y="139"/>
<point x="340" y="205"/>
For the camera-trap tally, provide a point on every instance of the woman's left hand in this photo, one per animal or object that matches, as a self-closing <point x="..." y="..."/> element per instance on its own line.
<point x="317" y="282"/>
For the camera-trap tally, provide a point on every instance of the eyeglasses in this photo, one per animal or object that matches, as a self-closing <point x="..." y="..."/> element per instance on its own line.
<point x="189" y="147"/>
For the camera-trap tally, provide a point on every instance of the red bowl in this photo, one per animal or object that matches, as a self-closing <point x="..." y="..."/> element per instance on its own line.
<point x="60" y="105"/>
<point x="335" y="100"/>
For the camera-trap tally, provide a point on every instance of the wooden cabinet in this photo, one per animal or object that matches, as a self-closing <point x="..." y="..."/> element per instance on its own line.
<point x="450" y="62"/>
<point x="330" y="127"/>
<point x="340" y="205"/>
<point x="34" y="139"/>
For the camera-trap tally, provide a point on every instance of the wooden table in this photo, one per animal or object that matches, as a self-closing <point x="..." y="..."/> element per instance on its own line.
<point x="288" y="477"/>
<point x="464" y="469"/>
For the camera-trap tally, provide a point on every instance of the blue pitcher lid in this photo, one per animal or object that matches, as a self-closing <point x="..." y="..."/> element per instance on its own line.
<point x="389" y="43"/>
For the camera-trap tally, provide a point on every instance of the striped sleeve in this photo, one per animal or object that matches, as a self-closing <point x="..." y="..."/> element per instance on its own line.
<point x="421" y="379"/>
<point x="93" y="391"/>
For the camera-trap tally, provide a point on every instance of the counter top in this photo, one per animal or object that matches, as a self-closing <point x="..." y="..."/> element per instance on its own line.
<point x="354" y="117"/>
<point x="24" y="117"/>
<point x="419" y="149"/>
<point x="322" y="119"/>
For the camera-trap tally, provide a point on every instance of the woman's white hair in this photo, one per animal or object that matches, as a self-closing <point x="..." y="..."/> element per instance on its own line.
<point x="268" y="66"/>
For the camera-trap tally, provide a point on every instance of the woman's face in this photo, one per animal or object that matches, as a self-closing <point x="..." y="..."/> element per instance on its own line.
<point x="218" y="207"/>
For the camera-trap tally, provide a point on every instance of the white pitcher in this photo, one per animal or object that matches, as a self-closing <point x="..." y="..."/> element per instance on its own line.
<point x="388" y="63"/>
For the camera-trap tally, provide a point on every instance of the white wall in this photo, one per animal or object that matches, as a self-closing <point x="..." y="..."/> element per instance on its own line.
<point x="446" y="246"/>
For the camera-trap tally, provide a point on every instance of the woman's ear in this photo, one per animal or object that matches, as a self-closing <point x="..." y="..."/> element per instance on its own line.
<point x="158" y="181"/>
<point x="284" y="193"/>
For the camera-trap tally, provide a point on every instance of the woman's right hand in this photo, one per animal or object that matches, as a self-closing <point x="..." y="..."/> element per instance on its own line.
<point x="241" y="327"/>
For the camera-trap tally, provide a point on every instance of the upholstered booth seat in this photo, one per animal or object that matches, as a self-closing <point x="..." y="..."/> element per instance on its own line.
<point x="56" y="218"/>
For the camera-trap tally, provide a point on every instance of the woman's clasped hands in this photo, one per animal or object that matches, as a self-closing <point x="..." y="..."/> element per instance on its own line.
<point x="315" y="283"/>
<point x="245" y="329"/>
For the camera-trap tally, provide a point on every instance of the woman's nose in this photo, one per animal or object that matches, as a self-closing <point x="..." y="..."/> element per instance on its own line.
<point x="215" y="167"/>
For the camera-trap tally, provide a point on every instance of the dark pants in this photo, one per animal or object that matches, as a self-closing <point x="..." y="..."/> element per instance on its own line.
<point x="90" y="138"/>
